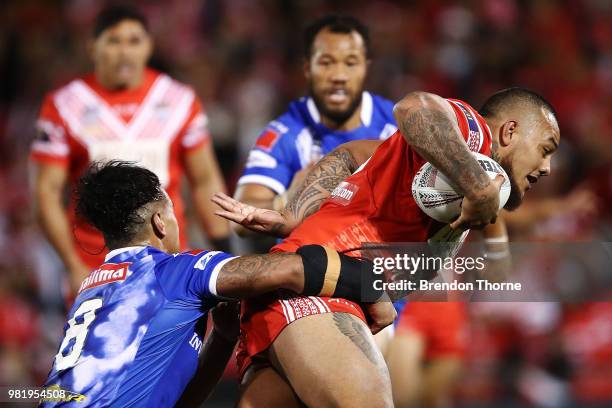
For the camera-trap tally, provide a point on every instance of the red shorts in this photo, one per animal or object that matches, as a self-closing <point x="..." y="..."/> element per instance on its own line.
<point x="263" y="319"/>
<point x="443" y="326"/>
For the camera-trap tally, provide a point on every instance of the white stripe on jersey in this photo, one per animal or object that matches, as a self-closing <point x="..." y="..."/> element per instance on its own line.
<point x="143" y="115"/>
<point x="159" y="118"/>
<point x="321" y="305"/>
<point x="284" y="310"/>
<point x="290" y="314"/>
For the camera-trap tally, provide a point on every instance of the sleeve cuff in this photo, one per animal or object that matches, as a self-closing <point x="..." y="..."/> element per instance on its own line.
<point x="212" y="282"/>
<point x="269" y="182"/>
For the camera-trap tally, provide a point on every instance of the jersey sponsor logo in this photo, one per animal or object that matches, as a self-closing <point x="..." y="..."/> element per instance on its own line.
<point x="106" y="273"/>
<point x="343" y="194"/>
<point x="196" y="343"/>
<point x="257" y="158"/>
<point x="267" y="140"/>
<point x="201" y="264"/>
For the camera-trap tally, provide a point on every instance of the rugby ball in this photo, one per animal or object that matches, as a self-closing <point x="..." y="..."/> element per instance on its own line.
<point x="436" y="197"/>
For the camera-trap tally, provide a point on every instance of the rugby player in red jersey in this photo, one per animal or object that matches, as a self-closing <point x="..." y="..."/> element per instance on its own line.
<point x="122" y="110"/>
<point x="321" y="347"/>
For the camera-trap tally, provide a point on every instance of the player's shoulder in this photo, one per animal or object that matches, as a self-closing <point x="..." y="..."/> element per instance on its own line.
<point x="381" y="118"/>
<point x="291" y="122"/>
<point x="65" y="87"/>
<point x="173" y="84"/>
<point x="283" y="131"/>
<point x="382" y="104"/>
<point x="197" y="258"/>
<point x="463" y="106"/>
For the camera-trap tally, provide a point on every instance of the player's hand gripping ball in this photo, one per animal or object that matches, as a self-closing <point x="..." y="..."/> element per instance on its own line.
<point x="436" y="196"/>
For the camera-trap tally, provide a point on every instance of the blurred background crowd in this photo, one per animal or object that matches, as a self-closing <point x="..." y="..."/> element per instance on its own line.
<point x="244" y="58"/>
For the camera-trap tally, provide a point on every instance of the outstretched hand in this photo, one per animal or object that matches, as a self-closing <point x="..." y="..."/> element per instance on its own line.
<point x="255" y="219"/>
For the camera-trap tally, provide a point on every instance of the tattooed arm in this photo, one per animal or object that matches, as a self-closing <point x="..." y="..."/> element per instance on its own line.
<point x="253" y="275"/>
<point x="316" y="187"/>
<point x="323" y="179"/>
<point x="429" y="125"/>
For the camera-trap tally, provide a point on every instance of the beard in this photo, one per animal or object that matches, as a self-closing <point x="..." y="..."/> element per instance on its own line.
<point x="516" y="197"/>
<point x="338" y="117"/>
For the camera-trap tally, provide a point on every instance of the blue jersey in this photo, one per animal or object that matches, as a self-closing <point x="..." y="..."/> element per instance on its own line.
<point x="135" y="331"/>
<point x="297" y="138"/>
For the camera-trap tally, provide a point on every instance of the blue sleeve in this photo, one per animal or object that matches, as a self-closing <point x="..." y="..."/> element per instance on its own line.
<point x="192" y="276"/>
<point x="273" y="160"/>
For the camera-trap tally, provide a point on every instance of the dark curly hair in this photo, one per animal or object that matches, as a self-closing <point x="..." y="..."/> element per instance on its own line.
<point x="336" y="24"/>
<point x="116" y="13"/>
<point x="110" y="196"/>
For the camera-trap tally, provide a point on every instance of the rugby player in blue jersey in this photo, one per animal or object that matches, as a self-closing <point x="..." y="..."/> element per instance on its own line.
<point x="134" y="336"/>
<point x="337" y="110"/>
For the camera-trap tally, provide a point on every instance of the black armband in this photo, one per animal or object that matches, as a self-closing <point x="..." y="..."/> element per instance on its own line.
<point x="329" y="273"/>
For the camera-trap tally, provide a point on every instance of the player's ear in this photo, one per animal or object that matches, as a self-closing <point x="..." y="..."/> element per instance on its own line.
<point x="507" y="132"/>
<point x="306" y="68"/>
<point x="158" y="225"/>
<point x="91" y="49"/>
<point x="150" y="44"/>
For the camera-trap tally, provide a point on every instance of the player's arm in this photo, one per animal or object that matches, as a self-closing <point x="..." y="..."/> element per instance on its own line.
<point x="497" y="251"/>
<point x="318" y="184"/>
<point x="49" y="183"/>
<point x="324" y="178"/>
<point x="205" y="178"/>
<point x="215" y="354"/>
<point x="429" y="125"/>
<point x="313" y="270"/>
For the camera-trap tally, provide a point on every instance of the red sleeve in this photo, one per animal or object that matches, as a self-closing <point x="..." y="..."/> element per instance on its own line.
<point x="473" y="127"/>
<point x="50" y="144"/>
<point x="195" y="133"/>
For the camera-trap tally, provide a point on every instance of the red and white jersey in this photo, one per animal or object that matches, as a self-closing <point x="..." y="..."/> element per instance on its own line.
<point x="155" y="125"/>
<point x="375" y="204"/>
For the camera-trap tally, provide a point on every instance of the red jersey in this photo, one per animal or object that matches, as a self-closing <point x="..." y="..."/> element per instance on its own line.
<point x="375" y="204"/>
<point x="155" y="124"/>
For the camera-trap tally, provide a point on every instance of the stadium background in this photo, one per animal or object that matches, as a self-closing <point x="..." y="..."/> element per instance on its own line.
<point x="244" y="59"/>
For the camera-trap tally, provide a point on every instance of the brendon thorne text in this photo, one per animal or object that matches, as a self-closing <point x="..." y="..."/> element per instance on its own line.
<point x="425" y="285"/>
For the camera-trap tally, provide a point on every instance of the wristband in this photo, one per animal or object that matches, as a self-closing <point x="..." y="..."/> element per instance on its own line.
<point x="331" y="274"/>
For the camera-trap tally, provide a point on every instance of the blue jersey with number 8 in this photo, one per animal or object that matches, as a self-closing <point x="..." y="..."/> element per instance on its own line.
<point x="136" y="328"/>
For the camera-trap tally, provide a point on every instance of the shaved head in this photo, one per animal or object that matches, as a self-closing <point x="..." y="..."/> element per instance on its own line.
<point x="519" y="101"/>
<point x="525" y="135"/>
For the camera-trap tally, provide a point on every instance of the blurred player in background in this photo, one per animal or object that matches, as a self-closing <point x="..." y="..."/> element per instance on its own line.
<point x="374" y="204"/>
<point x="336" y="111"/>
<point x="135" y="332"/>
<point x="426" y="353"/>
<point x="123" y="110"/>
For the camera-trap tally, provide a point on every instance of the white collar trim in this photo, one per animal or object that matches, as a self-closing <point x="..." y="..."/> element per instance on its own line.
<point x="118" y="251"/>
